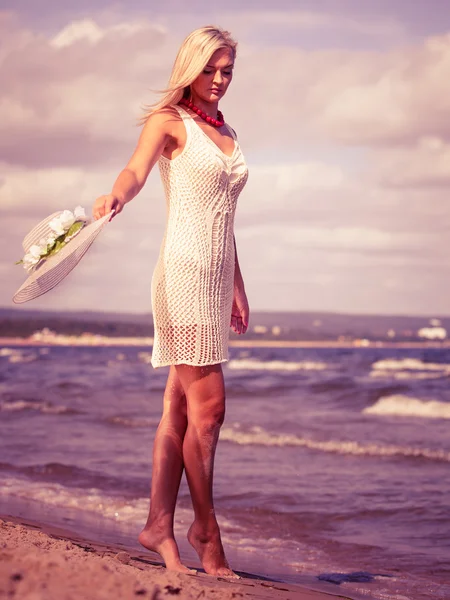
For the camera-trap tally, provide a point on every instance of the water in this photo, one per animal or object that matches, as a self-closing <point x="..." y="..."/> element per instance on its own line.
<point x="332" y="464"/>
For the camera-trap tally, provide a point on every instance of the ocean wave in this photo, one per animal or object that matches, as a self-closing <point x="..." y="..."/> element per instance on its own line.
<point x="409" y="364"/>
<point x="72" y="476"/>
<point x="15" y="355"/>
<point x="93" y="500"/>
<point x="276" y="365"/>
<point x="42" y="407"/>
<point x="6" y="351"/>
<point x="145" y="357"/>
<point x="125" y="511"/>
<point x="405" y="406"/>
<point x="407" y="374"/>
<point x="132" y="421"/>
<point x="257" y="436"/>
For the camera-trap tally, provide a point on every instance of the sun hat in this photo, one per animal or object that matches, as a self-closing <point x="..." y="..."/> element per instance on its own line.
<point x="52" y="269"/>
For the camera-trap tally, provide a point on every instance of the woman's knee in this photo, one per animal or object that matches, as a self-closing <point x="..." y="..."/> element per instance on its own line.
<point x="207" y="415"/>
<point x="174" y="396"/>
<point x="205" y="393"/>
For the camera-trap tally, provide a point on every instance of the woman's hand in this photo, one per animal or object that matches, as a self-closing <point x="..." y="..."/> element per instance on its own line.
<point x="105" y="204"/>
<point x="240" y="311"/>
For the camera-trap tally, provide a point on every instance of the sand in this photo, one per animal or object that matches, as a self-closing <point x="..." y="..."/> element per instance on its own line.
<point x="38" y="562"/>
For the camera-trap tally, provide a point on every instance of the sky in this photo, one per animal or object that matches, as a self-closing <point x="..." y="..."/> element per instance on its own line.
<point x="342" y="110"/>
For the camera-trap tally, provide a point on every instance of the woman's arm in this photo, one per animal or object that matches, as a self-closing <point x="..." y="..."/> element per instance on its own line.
<point x="240" y="311"/>
<point x="158" y="130"/>
<point x="238" y="279"/>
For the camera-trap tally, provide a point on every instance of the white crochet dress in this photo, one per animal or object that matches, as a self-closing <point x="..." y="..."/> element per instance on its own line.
<point x="192" y="284"/>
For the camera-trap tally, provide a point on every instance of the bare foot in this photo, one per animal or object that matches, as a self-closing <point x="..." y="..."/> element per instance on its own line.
<point x="208" y="545"/>
<point x="166" y="547"/>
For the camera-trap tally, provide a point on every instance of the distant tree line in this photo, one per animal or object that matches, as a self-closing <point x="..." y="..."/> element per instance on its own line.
<point x="26" y="327"/>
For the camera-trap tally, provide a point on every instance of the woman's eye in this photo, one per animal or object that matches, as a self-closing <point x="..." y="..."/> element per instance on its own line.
<point x="206" y="72"/>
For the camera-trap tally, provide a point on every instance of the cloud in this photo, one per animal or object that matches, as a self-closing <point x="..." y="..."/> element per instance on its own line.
<point x="395" y="98"/>
<point x="360" y="98"/>
<point x="425" y="164"/>
<point x="74" y="98"/>
<point x="301" y="20"/>
<point x="287" y="178"/>
<point x="359" y="239"/>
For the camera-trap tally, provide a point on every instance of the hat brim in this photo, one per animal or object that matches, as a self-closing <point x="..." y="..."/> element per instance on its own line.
<point x="55" y="268"/>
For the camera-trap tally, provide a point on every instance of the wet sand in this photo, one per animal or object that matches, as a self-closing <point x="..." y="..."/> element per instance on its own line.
<point x="40" y="562"/>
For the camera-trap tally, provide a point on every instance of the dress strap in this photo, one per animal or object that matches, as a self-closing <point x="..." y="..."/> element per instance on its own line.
<point x="186" y="116"/>
<point x="183" y="113"/>
<point x="231" y="130"/>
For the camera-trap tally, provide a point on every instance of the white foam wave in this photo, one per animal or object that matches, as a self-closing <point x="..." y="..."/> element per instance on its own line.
<point x="6" y="351"/>
<point x="43" y="407"/>
<point x="133" y="421"/>
<point x="259" y="437"/>
<point x="406" y="375"/>
<point x="91" y="500"/>
<point x="96" y="501"/>
<point x="17" y="355"/>
<point x="145" y="357"/>
<point x="410" y="364"/>
<point x="276" y="365"/>
<point x="401" y="405"/>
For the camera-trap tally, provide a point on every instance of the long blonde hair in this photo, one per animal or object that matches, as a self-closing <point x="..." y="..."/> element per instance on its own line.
<point x="192" y="57"/>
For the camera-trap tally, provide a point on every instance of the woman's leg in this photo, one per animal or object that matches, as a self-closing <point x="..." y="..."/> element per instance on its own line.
<point x="205" y="395"/>
<point x="167" y="470"/>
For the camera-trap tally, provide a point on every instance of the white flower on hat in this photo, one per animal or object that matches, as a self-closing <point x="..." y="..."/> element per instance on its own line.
<point x="36" y="251"/>
<point x="79" y="212"/>
<point x="64" y="227"/>
<point x="62" y="223"/>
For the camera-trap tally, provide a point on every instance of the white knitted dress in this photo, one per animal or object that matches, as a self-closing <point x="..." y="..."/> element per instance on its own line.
<point x="192" y="284"/>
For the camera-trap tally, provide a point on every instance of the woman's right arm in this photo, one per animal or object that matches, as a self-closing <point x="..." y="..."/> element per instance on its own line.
<point x="152" y="141"/>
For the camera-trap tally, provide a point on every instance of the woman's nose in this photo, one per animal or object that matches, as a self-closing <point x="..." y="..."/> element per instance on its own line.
<point x="218" y="77"/>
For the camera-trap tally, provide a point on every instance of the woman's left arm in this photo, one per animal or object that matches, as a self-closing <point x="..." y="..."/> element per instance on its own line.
<point x="240" y="312"/>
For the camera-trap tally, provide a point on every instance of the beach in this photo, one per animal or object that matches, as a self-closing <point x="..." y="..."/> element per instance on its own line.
<point x="44" y="563"/>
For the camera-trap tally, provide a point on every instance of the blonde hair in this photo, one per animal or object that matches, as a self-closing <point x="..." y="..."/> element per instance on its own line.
<point x="192" y="57"/>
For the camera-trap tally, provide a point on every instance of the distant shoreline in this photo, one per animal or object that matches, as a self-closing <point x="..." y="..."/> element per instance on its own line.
<point x="121" y="342"/>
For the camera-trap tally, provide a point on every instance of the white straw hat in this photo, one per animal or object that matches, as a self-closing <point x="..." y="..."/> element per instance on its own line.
<point x="53" y="269"/>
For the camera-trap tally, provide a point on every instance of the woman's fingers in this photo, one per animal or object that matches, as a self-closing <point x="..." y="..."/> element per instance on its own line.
<point x="237" y="324"/>
<point x="104" y="205"/>
<point x="110" y="204"/>
<point x="98" y="210"/>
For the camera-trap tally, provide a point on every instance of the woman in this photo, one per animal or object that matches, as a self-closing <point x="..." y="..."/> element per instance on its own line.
<point x="197" y="287"/>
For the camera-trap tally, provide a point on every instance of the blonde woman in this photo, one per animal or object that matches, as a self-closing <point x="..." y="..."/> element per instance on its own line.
<point x="197" y="288"/>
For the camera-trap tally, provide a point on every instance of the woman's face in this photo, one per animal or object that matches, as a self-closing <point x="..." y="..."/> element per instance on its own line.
<point x="213" y="82"/>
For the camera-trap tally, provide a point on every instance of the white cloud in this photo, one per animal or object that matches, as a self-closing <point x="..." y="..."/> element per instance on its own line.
<point x="287" y="178"/>
<point x="295" y="236"/>
<point x="89" y="30"/>
<point x="76" y="97"/>
<point x="425" y="164"/>
<point x="314" y="20"/>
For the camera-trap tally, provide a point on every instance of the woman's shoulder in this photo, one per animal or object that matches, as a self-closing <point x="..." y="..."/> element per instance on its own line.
<point x="167" y="120"/>
<point x="165" y="114"/>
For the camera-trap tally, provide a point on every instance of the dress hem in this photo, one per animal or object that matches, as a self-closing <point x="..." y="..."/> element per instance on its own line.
<point x="185" y="362"/>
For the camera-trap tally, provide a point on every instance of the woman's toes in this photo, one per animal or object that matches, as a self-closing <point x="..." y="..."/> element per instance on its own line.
<point x="227" y="573"/>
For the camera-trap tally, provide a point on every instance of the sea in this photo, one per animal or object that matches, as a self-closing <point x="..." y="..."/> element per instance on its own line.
<point x="332" y="469"/>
